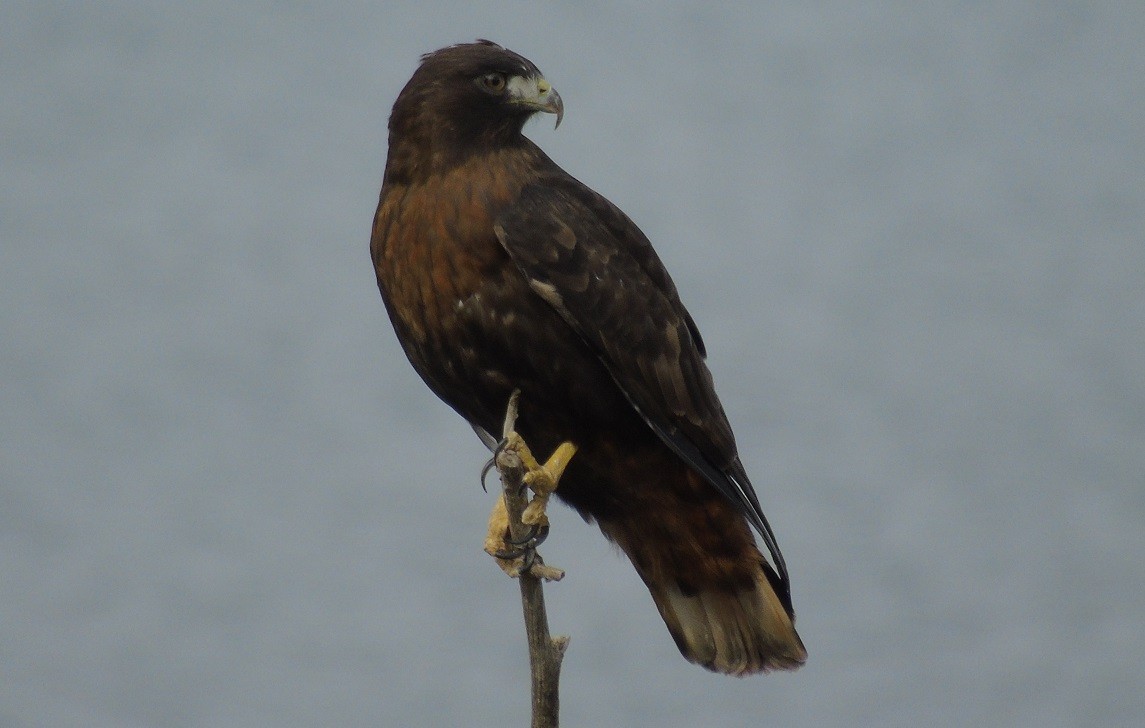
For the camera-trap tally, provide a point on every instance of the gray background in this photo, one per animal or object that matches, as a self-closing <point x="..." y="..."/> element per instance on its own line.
<point x="912" y="235"/>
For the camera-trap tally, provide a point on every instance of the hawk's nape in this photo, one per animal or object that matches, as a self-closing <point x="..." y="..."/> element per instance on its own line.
<point x="500" y="271"/>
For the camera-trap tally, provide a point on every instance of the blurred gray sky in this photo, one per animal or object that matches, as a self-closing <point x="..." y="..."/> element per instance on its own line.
<point x="912" y="237"/>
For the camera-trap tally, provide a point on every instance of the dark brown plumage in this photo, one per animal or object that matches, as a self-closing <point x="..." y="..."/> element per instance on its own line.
<point x="500" y="272"/>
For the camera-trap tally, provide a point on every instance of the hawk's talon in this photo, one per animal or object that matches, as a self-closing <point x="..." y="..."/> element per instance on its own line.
<point x="541" y="535"/>
<point x="527" y="538"/>
<point x="509" y="555"/>
<point x="519" y="556"/>
<point x="492" y="463"/>
<point x="536" y="536"/>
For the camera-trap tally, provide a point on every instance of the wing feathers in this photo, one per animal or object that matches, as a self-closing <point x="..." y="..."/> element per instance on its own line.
<point x="592" y="264"/>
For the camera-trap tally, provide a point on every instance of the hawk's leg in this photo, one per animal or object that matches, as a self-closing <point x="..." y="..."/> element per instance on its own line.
<point x="542" y="480"/>
<point x="516" y="556"/>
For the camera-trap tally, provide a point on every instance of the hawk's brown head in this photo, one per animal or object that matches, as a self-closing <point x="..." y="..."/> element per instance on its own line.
<point x="465" y="99"/>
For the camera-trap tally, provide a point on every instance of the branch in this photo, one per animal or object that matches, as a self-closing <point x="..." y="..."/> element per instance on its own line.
<point x="545" y="651"/>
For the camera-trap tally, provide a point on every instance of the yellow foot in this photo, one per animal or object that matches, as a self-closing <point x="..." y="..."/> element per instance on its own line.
<point x="497" y="540"/>
<point x="542" y="480"/>
<point x="514" y="559"/>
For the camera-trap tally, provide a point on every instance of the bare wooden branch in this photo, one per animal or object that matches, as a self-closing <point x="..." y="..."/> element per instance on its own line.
<point x="545" y="651"/>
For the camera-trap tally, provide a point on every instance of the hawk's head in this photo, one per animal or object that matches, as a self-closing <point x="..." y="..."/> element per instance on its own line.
<point x="470" y="96"/>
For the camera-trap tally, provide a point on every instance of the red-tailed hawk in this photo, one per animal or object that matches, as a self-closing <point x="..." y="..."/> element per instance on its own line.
<point x="500" y="271"/>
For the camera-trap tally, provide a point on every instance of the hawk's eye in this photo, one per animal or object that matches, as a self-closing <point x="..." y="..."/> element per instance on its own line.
<point x="493" y="82"/>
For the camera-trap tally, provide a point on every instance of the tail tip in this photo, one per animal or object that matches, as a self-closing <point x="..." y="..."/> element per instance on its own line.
<point x="733" y="633"/>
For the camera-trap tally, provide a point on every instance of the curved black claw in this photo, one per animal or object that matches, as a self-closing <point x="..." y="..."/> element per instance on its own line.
<point x="485" y="471"/>
<point x="527" y="539"/>
<point x="533" y="539"/>
<point x="492" y="462"/>
<point x="528" y="556"/>
<point x="510" y="555"/>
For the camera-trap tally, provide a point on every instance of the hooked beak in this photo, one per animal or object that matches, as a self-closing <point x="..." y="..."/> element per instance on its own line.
<point x="536" y="93"/>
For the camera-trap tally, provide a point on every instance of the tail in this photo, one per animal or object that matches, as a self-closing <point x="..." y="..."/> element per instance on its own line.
<point x="736" y="632"/>
<point x="716" y="600"/>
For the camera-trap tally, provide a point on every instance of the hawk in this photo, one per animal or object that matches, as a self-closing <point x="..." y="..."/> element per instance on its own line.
<point x="501" y="272"/>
